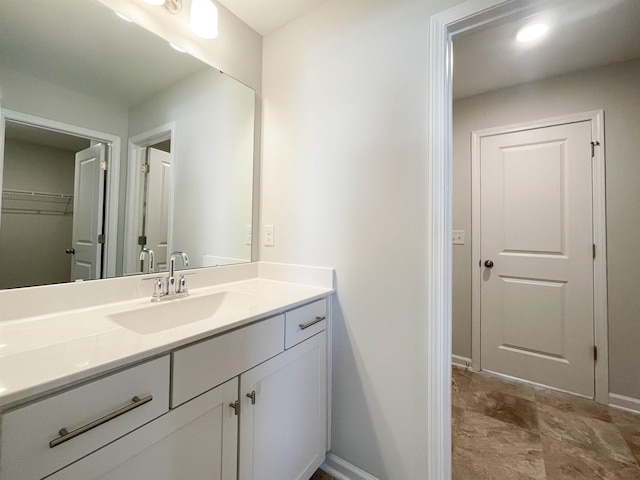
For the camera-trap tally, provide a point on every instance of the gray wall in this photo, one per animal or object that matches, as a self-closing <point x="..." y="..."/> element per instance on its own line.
<point x="345" y="183"/>
<point x="616" y="90"/>
<point x="32" y="246"/>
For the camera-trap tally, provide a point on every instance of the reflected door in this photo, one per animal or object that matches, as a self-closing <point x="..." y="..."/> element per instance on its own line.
<point x="536" y="250"/>
<point x="88" y="209"/>
<point x="157" y="211"/>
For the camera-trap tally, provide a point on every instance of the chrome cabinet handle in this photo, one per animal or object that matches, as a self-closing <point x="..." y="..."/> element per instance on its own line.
<point x="65" y="435"/>
<point x="303" y="326"/>
<point x="252" y="396"/>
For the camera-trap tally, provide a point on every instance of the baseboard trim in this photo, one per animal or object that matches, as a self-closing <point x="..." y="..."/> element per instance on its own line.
<point x="460" y="360"/>
<point x="625" y="403"/>
<point x="343" y="470"/>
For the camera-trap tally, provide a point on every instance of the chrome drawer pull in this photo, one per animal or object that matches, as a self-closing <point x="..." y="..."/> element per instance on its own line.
<point x="65" y="435"/>
<point x="303" y="326"/>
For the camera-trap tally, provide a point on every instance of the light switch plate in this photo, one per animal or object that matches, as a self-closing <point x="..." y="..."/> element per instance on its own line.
<point x="458" y="237"/>
<point x="268" y="236"/>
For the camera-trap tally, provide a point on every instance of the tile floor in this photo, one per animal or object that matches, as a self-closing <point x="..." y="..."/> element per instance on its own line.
<point x="505" y="430"/>
<point x="321" y="475"/>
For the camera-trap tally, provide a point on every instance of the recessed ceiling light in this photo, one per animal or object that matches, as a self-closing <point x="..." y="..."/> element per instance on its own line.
<point x="532" y="32"/>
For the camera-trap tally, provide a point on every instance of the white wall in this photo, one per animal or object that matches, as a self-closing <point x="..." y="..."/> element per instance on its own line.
<point x="212" y="162"/>
<point x="616" y="89"/>
<point x="344" y="182"/>
<point x="32" y="246"/>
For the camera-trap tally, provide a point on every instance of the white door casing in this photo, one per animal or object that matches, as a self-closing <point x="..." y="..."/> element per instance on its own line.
<point x="157" y="210"/>
<point x="112" y="175"/>
<point x="88" y="206"/>
<point x="536" y="232"/>
<point x="443" y="27"/>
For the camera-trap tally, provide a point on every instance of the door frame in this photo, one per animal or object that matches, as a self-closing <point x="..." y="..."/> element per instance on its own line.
<point x="110" y="222"/>
<point x="137" y="149"/>
<point x="600" y="320"/>
<point x="442" y="28"/>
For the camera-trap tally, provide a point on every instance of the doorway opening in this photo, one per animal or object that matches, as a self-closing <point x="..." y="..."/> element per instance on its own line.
<point x="148" y="228"/>
<point x="477" y="16"/>
<point x="54" y="221"/>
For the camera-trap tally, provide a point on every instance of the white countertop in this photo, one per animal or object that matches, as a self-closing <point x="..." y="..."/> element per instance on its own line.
<point x="46" y="352"/>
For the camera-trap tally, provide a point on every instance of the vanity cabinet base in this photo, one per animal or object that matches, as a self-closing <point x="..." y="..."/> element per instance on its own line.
<point x="283" y="432"/>
<point x="197" y="441"/>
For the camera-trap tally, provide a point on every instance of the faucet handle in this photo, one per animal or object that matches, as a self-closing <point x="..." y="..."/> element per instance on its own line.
<point x="182" y="285"/>
<point x="158" y="288"/>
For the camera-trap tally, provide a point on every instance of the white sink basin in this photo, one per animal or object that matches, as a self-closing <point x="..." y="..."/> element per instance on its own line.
<point x="156" y="317"/>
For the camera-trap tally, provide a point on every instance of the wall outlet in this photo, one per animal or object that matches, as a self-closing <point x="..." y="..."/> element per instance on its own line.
<point x="249" y="234"/>
<point x="268" y="236"/>
<point x="458" y="237"/>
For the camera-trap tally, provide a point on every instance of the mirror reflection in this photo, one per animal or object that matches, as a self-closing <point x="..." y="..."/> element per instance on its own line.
<point x="115" y="144"/>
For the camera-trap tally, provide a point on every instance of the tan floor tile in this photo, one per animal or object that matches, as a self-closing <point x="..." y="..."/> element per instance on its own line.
<point x="572" y="403"/>
<point x="629" y="425"/>
<point x="481" y="381"/>
<point x="321" y="475"/>
<point x="579" y="447"/>
<point x="506" y="408"/>
<point x="486" y="448"/>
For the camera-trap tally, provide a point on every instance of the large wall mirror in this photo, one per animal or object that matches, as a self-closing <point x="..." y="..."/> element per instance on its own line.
<point x="114" y="143"/>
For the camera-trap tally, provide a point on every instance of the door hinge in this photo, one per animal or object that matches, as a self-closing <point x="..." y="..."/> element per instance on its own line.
<point x="103" y="165"/>
<point x="100" y="238"/>
<point x="142" y="240"/>
<point x="594" y="250"/>
<point x="145" y="168"/>
<point x="595" y="353"/>
<point x="593" y="148"/>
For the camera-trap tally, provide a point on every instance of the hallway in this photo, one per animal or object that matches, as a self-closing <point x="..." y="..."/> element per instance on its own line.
<point x="509" y="430"/>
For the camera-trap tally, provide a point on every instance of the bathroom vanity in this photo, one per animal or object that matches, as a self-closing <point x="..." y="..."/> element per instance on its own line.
<point x="230" y="382"/>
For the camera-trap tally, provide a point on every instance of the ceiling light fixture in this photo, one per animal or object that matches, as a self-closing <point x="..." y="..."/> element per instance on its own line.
<point x="203" y="15"/>
<point x="204" y="19"/>
<point x="532" y="32"/>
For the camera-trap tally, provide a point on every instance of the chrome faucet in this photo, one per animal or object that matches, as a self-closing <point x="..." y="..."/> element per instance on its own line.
<point x="170" y="288"/>
<point x="181" y="287"/>
<point x="149" y="252"/>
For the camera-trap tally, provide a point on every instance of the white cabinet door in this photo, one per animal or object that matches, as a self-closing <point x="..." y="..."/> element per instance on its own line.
<point x="283" y="432"/>
<point x="195" y="441"/>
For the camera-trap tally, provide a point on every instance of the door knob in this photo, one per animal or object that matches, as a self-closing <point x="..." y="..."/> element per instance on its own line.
<point x="70" y="251"/>
<point x="488" y="263"/>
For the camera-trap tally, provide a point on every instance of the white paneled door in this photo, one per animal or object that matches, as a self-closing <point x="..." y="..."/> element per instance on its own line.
<point x="157" y="212"/>
<point x="88" y="205"/>
<point x="537" y="317"/>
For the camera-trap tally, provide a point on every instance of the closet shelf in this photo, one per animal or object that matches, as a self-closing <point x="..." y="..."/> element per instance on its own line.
<point x="46" y="203"/>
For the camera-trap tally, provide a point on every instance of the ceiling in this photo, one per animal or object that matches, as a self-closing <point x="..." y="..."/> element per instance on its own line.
<point x="40" y="136"/>
<point x="82" y="45"/>
<point x="583" y="34"/>
<point x="265" y="16"/>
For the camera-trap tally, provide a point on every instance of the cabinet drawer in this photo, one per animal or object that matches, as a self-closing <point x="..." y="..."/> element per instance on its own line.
<point x="200" y="367"/>
<point x="304" y="322"/>
<point x="29" y="447"/>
